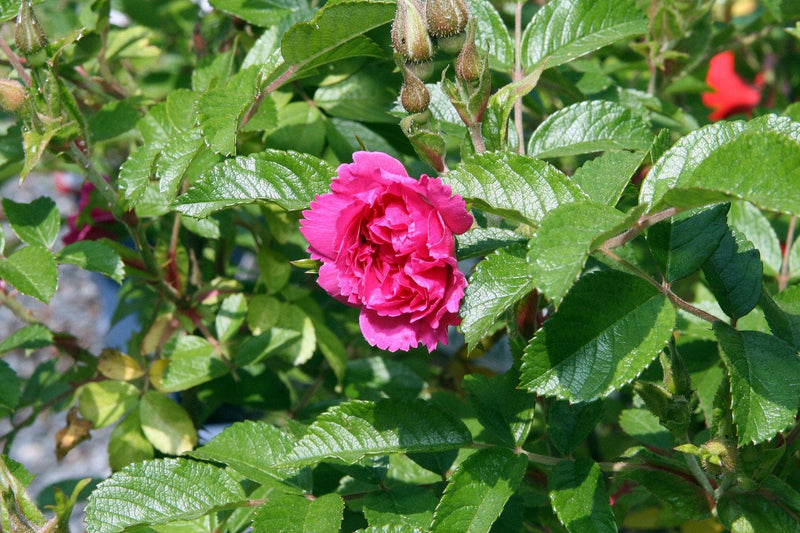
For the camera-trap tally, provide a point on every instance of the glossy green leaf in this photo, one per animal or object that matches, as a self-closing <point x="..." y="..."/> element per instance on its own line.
<point x="478" y="490"/>
<point x="479" y="242"/>
<point x="733" y="273"/>
<point x="32" y="271"/>
<point x="113" y="119"/>
<point x="356" y="429"/>
<point x="264" y="344"/>
<point x="579" y="498"/>
<point x="298" y="514"/>
<point x="128" y="444"/>
<point x="513" y="185"/>
<point x="406" y="506"/>
<point x="365" y="96"/>
<point x="376" y="377"/>
<point x="681" y="244"/>
<point x="166" y="424"/>
<point x="220" y="110"/>
<point x="783" y="314"/>
<point x="104" y="402"/>
<point x="644" y="426"/>
<point x="494" y="35"/>
<point x="753" y="512"/>
<point x="177" y="157"/>
<point x="158" y="492"/>
<point x="605" y="177"/>
<point x="590" y="126"/>
<point x="582" y="355"/>
<point x="35" y="223"/>
<point x="499" y="281"/>
<point x="686" y="498"/>
<point x="556" y="262"/>
<point x="705" y="370"/>
<point x="10" y="8"/>
<point x="230" y="316"/>
<point x="289" y="179"/>
<point x="566" y="29"/>
<point x="568" y="424"/>
<point x="95" y="256"/>
<point x="504" y="410"/>
<point x="135" y="174"/>
<point x="192" y="361"/>
<point x="751" y="222"/>
<point x="10" y="391"/>
<point x="764" y="379"/>
<point x="264" y="13"/>
<point x="28" y="338"/>
<point x="301" y="127"/>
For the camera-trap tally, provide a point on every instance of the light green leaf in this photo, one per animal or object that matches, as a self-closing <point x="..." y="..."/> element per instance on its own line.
<point x="10" y="391"/>
<point x="582" y="355"/>
<point x="230" y="316"/>
<point x="499" y="281"/>
<point x="566" y="29"/>
<point x="604" y="178"/>
<point x="220" y="110"/>
<point x="95" y="256"/>
<point x="504" y="410"/>
<point x="264" y="13"/>
<point x="176" y="158"/>
<point x="10" y="8"/>
<point x="579" y="498"/>
<point x="166" y="424"/>
<point x="192" y="361"/>
<point x="28" y="338"/>
<point x="765" y="381"/>
<point x="478" y="491"/>
<point x="681" y="244"/>
<point x="356" y="429"/>
<point x="32" y="271"/>
<point x="734" y="274"/>
<point x="35" y="143"/>
<point x="289" y="179"/>
<point x="406" y="506"/>
<point x="266" y="343"/>
<point x="756" y="228"/>
<point x="158" y="492"/>
<point x="494" y="35"/>
<point x="301" y="127"/>
<point x="568" y="424"/>
<point x="590" y="126"/>
<point x="513" y="185"/>
<point x="495" y="120"/>
<point x="35" y="223"/>
<point x="135" y="174"/>
<point x="556" y="262"/>
<point x="104" y="402"/>
<point x="297" y="514"/>
<point x="128" y="444"/>
<point x="783" y="314"/>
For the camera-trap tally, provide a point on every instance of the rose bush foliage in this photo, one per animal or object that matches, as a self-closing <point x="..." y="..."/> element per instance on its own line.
<point x="616" y="270"/>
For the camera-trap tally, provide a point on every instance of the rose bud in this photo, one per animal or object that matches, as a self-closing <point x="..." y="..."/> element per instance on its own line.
<point x="12" y="94"/>
<point x="469" y="65"/>
<point x="28" y="33"/>
<point x="446" y="17"/>
<point x="414" y="96"/>
<point x="410" y="36"/>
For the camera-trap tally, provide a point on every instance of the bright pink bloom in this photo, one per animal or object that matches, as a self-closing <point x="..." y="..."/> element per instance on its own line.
<point x="386" y="244"/>
<point x="731" y="94"/>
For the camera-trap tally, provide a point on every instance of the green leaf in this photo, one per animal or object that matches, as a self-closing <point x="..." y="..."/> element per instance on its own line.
<point x="376" y="377"/>
<point x="493" y="33"/>
<point x="104" y="402"/>
<point x="406" y="506"/>
<point x="10" y="391"/>
<point x="35" y="143"/>
<point x="756" y="228"/>
<point x="644" y="426"/>
<point x="289" y="179"/>
<point x="28" y="338"/>
<point x="794" y="260"/>
<point x="513" y="185"/>
<point x="135" y="174"/>
<point x="128" y="444"/>
<point x="499" y="281"/>
<point x="504" y="410"/>
<point x="686" y="498"/>
<point x="32" y="271"/>
<point x="192" y="361"/>
<point x="220" y="110"/>
<point x="365" y="96"/>
<point x="351" y="431"/>
<point x="113" y="119"/>
<point x="684" y="157"/>
<point x="681" y="244"/>
<point x="166" y="424"/>
<point x="498" y="110"/>
<point x="297" y="514"/>
<point x="178" y="157"/>
<point x="301" y="127"/>
<point x="479" y="242"/>
<point x="604" y="178"/>
<point x="705" y="369"/>
<point x="158" y="492"/>
<point x="230" y="316"/>
<point x="566" y="29"/>
<point x="783" y="314"/>
<point x="10" y="8"/>
<point x="36" y="223"/>
<point x="264" y="13"/>
<point x="95" y="256"/>
<point x="264" y="344"/>
<point x="752" y="512"/>
<point x="581" y="354"/>
<point x="478" y="490"/>
<point x="734" y="273"/>
<point x="556" y="262"/>
<point x="578" y="496"/>
<point x="590" y="126"/>
<point x="765" y="381"/>
<point x="568" y="424"/>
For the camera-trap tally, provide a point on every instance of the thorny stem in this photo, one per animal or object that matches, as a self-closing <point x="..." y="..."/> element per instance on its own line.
<point x="783" y="277"/>
<point x="517" y="75"/>
<point x="12" y="57"/>
<point x="100" y="183"/>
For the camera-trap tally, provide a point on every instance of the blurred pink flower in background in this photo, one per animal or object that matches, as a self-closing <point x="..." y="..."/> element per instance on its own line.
<point x="88" y="223"/>
<point x="731" y="95"/>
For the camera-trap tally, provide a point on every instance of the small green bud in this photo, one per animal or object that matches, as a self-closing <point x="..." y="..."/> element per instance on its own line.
<point x="28" y="33"/>
<point x="469" y="65"/>
<point x="12" y="94"/>
<point x="414" y="96"/>
<point x="446" y="17"/>
<point x="410" y="36"/>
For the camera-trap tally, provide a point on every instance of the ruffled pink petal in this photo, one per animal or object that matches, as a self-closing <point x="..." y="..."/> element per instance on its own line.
<point x="397" y="333"/>
<point x="452" y="207"/>
<point x="318" y="224"/>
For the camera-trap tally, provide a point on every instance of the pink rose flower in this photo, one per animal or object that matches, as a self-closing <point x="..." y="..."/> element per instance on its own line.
<point x="731" y="94"/>
<point x="386" y="244"/>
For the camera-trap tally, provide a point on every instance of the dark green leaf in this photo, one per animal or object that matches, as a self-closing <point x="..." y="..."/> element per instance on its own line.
<point x="706" y="372"/>
<point x="568" y="424"/>
<point x="566" y="29"/>
<point x="95" y="256"/>
<point x="578" y="496"/>
<point x="220" y="110"/>
<point x="301" y="127"/>
<point x="513" y="185"/>
<point x="605" y="177"/>
<point x="765" y="381"/>
<point x="365" y="96"/>
<point x="756" y="228"/>
<point x="289" y="179"/>
<point x="499" y="281"/>
<point x="297" y="514"/>
<point x="158" y="492"/>
<point x="10" y="391"/>
<point x="687" y="499"/>
<point x="405" y="506"/>
<point x="376" y="377"/>
<point x="734" y="273"/>
<point x="478" y="491"/>
<point x="643" y="426"/>
<point x="504" y="410"/>
<point x="479" y="242"/>
<point x="783" y="314"/>
<point x="263" y="13"/>
<point x="590" y="126"/>
<point x="32" y="271"/>
<point x="682" y="244"/>
<point x="36" y="223"/>
<point x="28" y="338"/>
<point x="582" y="354"/>
<point x="113" y="119"/>
<point x="128" y="444"/>
<point x="556" y="262"/>
<point x="752" y="512"/>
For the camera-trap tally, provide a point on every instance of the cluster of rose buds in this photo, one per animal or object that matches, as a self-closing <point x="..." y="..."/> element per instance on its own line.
<point x="416" y="25"/>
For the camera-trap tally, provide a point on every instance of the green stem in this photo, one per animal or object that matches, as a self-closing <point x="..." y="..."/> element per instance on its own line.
<point x="12" y="57"/>
<point x="477" y="137"/>
<point x="19" y="310"/>
<point x="517" y="74"/>
<point x="783" y="277"/>
<point x="641" y="224"/>
<point x="97" y="179"/>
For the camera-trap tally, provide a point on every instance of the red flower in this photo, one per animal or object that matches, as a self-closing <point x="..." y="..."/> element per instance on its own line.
<point x="731" y="94"/>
